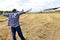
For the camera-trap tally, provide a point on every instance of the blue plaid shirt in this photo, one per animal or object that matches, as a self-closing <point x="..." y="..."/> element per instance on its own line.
<point x="13" y="18"/>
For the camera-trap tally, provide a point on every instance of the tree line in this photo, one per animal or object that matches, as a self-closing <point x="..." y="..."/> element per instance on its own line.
<point x="5" y="12"/>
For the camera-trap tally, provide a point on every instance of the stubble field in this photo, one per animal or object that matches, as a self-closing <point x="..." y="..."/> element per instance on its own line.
<point x="45" y="26"/>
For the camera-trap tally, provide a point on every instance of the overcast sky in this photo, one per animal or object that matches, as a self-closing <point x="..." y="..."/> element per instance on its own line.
<point x="36" y="5"/>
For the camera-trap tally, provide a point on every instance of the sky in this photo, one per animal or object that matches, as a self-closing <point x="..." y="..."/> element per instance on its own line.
<point x="36" y="5"/>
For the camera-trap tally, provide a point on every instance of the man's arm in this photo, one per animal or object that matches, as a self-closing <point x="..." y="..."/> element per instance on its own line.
<point x="5" y="14"/>
<point x="22" y="12"/>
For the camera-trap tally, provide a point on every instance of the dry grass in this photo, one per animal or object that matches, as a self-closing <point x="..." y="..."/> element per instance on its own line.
<point x="35" y="27"/>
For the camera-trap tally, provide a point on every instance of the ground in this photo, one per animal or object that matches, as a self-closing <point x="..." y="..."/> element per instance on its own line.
<point x="45" y="26"/>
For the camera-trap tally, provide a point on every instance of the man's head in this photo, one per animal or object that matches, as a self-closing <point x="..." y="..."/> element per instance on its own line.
<point x="14" y="10"/>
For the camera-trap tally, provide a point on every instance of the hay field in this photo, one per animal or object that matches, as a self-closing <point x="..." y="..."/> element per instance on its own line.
<point x="34" y="27"/>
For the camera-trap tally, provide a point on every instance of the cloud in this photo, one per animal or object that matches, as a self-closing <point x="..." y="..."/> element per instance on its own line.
<point x="26" y="4"/>
<point x="9" y="4"/>
<point x="37" y="4"/>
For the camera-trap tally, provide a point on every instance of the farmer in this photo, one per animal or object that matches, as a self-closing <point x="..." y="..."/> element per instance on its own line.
<point x="13" y="21"/>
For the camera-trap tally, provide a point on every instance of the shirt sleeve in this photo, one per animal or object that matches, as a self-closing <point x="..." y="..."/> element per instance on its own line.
<point x="5" y="14"/>
<point x="20" y="12"/>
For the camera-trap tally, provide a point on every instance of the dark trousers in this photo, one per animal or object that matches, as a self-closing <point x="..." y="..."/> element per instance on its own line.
<point x="18" y="29"/>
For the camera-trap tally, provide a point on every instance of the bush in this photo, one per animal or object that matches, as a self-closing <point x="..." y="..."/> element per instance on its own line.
<point x="1" y="12"/>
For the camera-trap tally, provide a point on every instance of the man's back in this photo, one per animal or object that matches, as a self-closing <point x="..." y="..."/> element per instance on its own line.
<point x="13" y="18"/>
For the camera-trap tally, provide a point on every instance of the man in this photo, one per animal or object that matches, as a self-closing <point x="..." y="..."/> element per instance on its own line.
<point x="14" y="23"/>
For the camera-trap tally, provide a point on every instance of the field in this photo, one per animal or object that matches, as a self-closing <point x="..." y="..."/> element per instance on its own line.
<point x="39" y="26"/>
